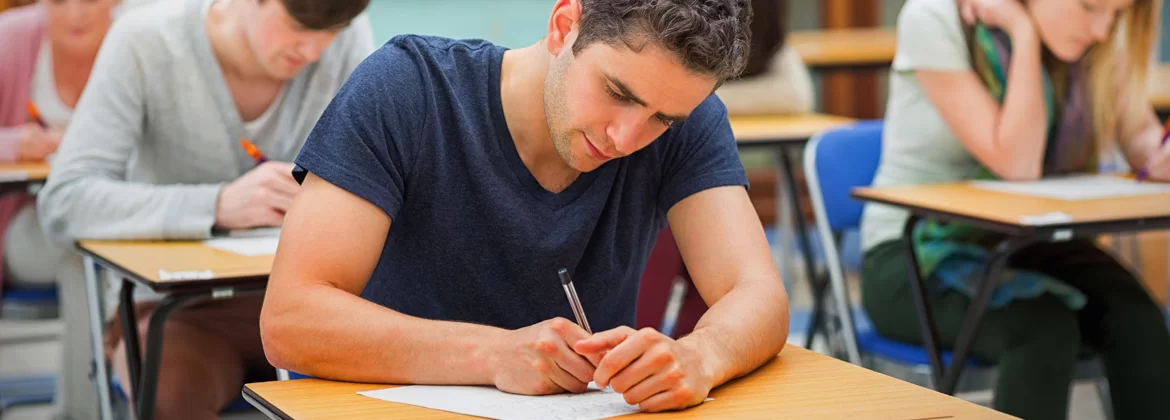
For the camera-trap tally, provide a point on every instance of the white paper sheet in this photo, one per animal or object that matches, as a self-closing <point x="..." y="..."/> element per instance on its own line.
<point x="13" y="176"/>
<point x="253" y="233"/>
<point x="492" y="403"/>
<point x="1082" y="187"/>
<point x="248" y="247"/>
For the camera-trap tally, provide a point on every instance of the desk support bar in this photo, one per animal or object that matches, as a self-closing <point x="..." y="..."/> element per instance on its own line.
<point x="101" y="376"/>
<point x="148" y="382"/>
<point x="129" y="318"/>
<point x="971" y="321"/>
<point x="921" y="304"/>
<point x="946" y="378"/>
<point x="817" y="285"/>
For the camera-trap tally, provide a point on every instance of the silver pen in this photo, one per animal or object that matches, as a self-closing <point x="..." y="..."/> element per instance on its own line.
<point x="574" y="302"/>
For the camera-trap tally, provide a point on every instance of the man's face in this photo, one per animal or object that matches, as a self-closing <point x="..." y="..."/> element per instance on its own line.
<point x="608" y="102"/>
<point x="281" y="45"/>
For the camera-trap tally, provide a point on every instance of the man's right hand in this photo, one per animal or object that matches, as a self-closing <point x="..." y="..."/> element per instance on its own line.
<point x="258" y="199"/>
<point x="539" y="360"/>
<point x="36" y="143"/>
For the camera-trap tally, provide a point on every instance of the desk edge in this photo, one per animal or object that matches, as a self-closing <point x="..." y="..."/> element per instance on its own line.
<point x="175" y="287"/>
<point x="1082" y="228"/>
<point x="263" y="405"/>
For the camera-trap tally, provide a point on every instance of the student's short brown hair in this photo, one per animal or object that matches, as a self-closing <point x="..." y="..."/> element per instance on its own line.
<point x="322" y="15"/>
<point x="710" y="37"/>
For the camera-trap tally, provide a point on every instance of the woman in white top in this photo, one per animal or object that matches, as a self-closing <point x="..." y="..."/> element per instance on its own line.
<point x="1020" y="90"/>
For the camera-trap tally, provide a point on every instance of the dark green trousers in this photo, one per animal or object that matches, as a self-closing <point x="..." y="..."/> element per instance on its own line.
<point x="1035" y="342"/>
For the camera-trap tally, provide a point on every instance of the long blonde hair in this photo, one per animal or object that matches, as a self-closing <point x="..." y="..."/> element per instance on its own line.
<point x="1124" y="58"/>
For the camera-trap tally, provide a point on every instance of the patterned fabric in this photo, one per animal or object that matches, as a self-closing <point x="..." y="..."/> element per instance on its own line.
<point x="956" y="253"/>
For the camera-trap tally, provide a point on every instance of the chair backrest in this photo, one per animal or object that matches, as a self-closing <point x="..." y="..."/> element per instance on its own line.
<point x="839" y="160"/>
<point x="836" y="161"/>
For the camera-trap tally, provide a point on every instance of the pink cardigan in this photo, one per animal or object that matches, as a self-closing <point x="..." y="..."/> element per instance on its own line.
<point x="22" y="30"/>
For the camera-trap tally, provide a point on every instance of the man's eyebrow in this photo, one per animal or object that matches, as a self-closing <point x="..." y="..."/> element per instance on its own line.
<point x="625" y="91"/>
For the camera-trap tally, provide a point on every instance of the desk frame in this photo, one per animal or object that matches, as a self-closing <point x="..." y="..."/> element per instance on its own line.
<point x="143" y="381"/>
<point x="818" y="282"/>
<point x="946" y="377"/>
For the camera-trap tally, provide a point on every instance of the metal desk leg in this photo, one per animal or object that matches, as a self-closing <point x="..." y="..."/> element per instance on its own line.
<point x="921" y="305"/>
<point x="816" y="286"/>
<point x="946" y="378"/>
<point x="129" y="318"/>
<point x="101" y="375"/>
<point x="148" y="382"/>
<point x="970" y="328"/>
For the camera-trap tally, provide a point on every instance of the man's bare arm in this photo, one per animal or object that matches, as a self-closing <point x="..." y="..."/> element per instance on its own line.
<point x="314" y="321"/>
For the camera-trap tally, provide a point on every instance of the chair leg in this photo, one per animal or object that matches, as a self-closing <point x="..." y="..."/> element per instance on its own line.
<point x="1106" y="400"/>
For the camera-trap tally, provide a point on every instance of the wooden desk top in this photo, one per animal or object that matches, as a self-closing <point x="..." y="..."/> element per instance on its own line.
<point x="143" y="260"/>
<point x="23" y="172"/>
<point x="868" y="47"/>
<point x="798" y="384"/>
<point x="1006" y="210"/>
<point x="1160" y="87"/>
<point x="771" y="129"/>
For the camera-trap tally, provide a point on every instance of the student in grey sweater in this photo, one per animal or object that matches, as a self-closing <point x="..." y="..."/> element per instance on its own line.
<point x="153" y="152"/>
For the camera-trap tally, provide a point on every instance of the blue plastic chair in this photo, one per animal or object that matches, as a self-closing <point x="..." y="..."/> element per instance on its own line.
<point x="28" y="303"/>
<point x="836" y="161"/>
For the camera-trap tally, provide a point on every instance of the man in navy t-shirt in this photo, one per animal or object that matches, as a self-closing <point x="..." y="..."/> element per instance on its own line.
<point x="449" y="181"/>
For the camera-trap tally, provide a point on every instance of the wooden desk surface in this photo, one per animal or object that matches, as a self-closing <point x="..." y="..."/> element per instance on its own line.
<point x="1003" y="208"/>
<point x="872" y="47"/>
<point x="23" y="172"/>
<point x="798" y="384"/>
<point x="767" y="129"/>
<point x="1160" y="87"/>
<point x="144" y="259"/>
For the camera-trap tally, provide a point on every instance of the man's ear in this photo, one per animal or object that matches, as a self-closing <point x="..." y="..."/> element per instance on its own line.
<point x="563" y="25"/>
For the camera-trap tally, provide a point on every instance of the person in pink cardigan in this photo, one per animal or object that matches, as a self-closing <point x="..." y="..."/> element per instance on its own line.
<point x="49" y="48"/>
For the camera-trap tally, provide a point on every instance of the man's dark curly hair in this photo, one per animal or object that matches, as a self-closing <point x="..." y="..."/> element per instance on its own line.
<point x="710" y="37"/>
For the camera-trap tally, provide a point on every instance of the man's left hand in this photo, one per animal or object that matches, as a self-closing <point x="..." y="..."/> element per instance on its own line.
<point x="648" y="368"/>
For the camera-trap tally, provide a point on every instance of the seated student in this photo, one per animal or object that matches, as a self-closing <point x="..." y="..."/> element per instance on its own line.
<point x="500" y="167"/>
<point x="775" y="80"/>
<point x="1019" y="91"/>
<point x="49" y="48"/>
<point x="153" y="152"/>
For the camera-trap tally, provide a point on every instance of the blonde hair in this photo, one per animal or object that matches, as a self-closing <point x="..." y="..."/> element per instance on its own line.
<point x="1118" y="69"/>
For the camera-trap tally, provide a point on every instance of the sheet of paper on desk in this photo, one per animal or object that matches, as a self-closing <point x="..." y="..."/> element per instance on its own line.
<point x="248" y="247"/>
<point x="492" y="403"/>
<point x="13" y="176"/>
<point x="1081" y="187"/>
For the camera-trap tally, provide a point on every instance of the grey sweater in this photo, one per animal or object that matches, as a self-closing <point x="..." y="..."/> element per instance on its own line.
<point x="155" y="135"/>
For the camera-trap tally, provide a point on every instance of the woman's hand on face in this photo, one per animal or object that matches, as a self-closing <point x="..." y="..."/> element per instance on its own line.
<point x="1008" y="15"/>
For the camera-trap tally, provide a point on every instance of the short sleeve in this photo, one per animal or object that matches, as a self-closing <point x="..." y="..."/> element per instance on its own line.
<point x="364" y="142"/>
<point x="930" y="37"/>
<point x="699" y="154"/>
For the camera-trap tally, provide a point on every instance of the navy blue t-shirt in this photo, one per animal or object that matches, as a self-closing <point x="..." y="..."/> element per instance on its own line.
<point x="419" y="131"/>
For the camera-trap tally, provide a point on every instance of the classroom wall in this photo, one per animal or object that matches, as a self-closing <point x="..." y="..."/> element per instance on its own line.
<point x="512" y="23"/>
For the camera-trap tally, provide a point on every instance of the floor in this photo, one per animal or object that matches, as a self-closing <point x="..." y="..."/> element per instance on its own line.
<point x="44" y="357"/>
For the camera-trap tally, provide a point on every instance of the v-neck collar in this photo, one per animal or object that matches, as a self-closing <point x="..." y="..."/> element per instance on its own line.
<point x="507" y="145"/>
<point x="216" y="82"/>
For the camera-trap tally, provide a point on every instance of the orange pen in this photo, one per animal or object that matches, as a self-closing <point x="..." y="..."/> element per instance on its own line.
<point x="253" y="151"/>
<point x="36" y="115"/>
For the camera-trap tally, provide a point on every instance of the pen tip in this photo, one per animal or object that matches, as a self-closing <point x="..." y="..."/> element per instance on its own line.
<point x="564" y="275"/>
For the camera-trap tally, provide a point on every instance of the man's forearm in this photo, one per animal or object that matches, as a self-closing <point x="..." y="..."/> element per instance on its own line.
<point x="328" y="333"/>
<point x="744" y="329"/>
